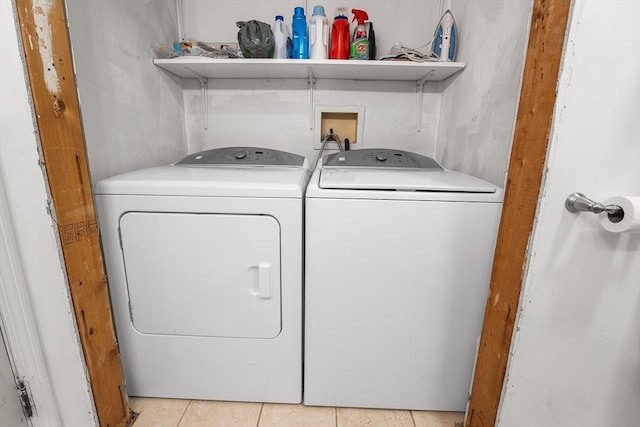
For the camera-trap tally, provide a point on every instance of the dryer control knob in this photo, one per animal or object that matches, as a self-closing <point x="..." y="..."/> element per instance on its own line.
<point x="381" y="156"/>
<point x="240" y="155"/>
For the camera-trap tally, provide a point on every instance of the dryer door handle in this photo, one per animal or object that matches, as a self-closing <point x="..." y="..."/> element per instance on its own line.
<point x="264" y="280"/>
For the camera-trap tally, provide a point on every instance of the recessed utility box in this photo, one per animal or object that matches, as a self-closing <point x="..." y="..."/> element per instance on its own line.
<point x="346" y="121"/>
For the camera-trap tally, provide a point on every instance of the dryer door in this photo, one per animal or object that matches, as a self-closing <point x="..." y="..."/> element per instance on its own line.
<point x="203" y="274"/>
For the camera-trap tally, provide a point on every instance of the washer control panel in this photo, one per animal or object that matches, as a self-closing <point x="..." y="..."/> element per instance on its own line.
<point x="380" y="158"/>
<point x="230" y="156"/>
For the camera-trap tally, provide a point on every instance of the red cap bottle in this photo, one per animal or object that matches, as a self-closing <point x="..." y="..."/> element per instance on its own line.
<point x="340" y="37"/>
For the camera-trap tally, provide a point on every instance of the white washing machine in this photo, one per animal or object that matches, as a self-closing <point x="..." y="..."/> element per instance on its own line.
<point x="204" y="263"/>
<point x="398" y="260"/>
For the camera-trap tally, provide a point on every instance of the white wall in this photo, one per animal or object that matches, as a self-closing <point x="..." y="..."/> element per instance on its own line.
<point x="479" y="107"/>
<point x="276" y="113"/>
<point x="136" y="115"/>
<point x="132" y="113"/>
<point x="575" y="356"/>
<point x="36" y="233"/>
<point x="410" y="21"/>
<point x="466" y="122"/>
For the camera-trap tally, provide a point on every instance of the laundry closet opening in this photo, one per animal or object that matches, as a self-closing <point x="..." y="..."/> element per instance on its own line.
<point x="137" y="115"/>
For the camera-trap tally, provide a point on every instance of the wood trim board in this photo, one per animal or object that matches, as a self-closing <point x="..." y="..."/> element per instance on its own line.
<point x="47" y="50"/>
<point x="524" y="179"/>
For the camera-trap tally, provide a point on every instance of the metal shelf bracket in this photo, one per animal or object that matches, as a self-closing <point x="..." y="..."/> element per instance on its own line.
<point x="419" y="88"/>
<point x="311" y="84"/>
<point x="204" y="86"/>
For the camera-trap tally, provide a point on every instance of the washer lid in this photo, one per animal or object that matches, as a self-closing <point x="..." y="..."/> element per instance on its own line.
<point x="242" y="156"/>
<point x="380" y="158"/>
<point x="403" y="180"/>
<point x="385" y="169"/>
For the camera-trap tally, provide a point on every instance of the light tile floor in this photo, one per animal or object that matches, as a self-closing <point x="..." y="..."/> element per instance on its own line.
<point x="199" y="413"/>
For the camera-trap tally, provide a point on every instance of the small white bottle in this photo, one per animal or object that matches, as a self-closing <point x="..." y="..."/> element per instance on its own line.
<point x="280" y="36"/>
<point x="318" y="34"/>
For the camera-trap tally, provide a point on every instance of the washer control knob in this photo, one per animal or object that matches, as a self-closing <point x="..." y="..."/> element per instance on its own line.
<point x="240" y="155"/>
<point x="381" y="156"/>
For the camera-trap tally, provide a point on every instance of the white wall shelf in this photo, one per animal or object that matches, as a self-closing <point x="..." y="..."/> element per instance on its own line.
<point x="210" y="68"/>
<point x="202" y="69"/>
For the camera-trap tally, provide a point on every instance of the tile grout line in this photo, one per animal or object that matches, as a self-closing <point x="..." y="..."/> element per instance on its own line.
<point x="260" y="414"/>
<point x="335" y="410"/>
<point x="413" y="420"/>
<point x="184" y="412"/>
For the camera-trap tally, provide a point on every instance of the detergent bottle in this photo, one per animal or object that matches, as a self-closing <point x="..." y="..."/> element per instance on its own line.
<point x="300" y="34"/>
<point x="360" y="42"/>
<point x="280" y="36"/>
<point x="318" y="34"/>
<point x="340" y="37"/>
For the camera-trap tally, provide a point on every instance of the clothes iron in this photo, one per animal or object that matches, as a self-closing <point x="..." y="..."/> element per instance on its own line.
<point x="445" y="38"/>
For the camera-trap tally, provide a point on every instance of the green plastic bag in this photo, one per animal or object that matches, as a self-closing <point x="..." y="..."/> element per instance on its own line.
<point x="255" y="39"/>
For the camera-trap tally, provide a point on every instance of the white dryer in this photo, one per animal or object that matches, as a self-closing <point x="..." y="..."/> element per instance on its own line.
<point x="398" y="259"/>
<point x="204" y="263"/>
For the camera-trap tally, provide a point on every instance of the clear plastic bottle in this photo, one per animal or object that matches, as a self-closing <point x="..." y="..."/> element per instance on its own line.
<point x="318" y="34"/>
<point x="300" y="34"/>
<point x="280" y="36"/>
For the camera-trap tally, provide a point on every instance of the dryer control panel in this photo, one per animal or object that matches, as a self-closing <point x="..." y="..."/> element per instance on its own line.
<point x="380" y="158"/>
<point x="235" y="156"/>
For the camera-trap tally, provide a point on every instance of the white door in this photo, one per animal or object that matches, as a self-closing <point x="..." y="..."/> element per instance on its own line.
<point x="10" y="407"/>
<point x="207" y="275"/>
<point x="576" y="351"/>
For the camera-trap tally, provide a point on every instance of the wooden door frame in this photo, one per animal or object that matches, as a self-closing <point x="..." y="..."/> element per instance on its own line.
<point x="62" y="140"/>
<point x="47" y="55"/>
<point x="526" y="169"/>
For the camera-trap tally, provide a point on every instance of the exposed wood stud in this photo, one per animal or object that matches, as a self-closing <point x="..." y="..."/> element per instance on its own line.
<point x="526" y="168"/>
<point x="45" y="39"/>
